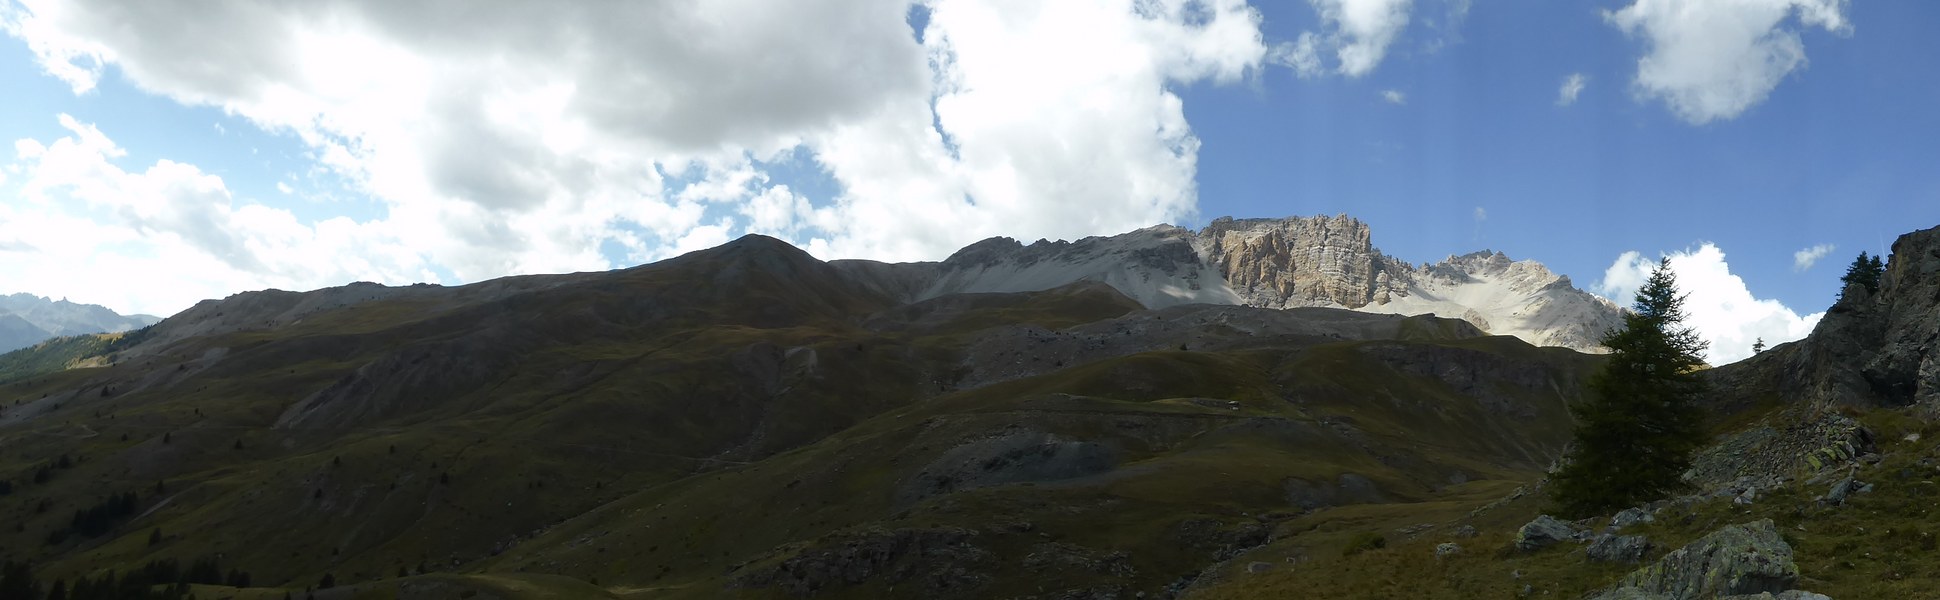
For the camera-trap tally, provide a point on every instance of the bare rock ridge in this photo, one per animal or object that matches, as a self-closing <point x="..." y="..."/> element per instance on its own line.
<point x="1873" y="348"/>
<point x="1269" y="263"/>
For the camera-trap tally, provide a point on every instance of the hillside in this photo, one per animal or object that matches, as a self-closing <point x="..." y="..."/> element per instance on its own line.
<point x="728" y="419"/>
<point x="748" y="421"/>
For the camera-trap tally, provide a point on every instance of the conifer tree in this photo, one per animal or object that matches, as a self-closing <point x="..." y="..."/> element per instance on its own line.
<point x="1864" y="271"/>
<point x="1638" y="426"/>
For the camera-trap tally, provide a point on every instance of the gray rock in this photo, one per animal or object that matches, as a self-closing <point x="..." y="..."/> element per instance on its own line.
<point x="1746" y="498"/>
<point x="1843" y="489"/>
<point x="1543" y="532"/>
<point x="1258" y="567"/>
<point x="1446" y="549"/>
<point x="1466" y="531"/>
<point x="1744" y="559"/>
<point x="1631" y="516"/>
<point x="1618" y="548"/>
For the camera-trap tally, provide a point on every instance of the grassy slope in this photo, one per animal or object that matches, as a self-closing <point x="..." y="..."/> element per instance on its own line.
<point x="1878" y="545"/>
<point x="649" y="434"/>
<point x="51" y="356"/>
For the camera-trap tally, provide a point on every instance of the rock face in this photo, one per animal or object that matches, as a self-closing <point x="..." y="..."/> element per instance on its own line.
<point x="1871" y="349"/>
<point x="1284" y="263"/>
<point x="1269" y="263"/>
<point x="1742" y="559"/>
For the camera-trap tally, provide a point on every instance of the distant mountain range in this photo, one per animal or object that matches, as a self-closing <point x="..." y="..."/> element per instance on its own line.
<point x="26" y="319"/>
<point x="1271" y="263"/>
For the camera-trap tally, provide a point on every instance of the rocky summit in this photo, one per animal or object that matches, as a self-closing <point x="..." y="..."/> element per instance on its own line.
<point x="1272" y="263"/>
<point x="1263" y="409"/>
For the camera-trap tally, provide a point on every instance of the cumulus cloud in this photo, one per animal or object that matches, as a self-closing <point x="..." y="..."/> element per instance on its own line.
<point x="1572" y="85"/>
<point x="1718" y="305"/>
<point x="158" y="239"/>
<point x="1804" y="259"/>
<point x="1714" y="60"/>
<point x="656" y="126"/>
<point x="1394" y="97"/>
<point x="1355" y="34"/>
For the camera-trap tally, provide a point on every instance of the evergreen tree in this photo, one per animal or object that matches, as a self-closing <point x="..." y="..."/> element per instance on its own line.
<point x="1864" y="271"/>
<point x="1758" y="346"/>
<point x="1637" y="428"/>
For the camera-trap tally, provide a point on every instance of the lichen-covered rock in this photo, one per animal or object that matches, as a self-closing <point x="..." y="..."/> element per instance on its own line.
<point x="1543" y="532"/>
<point x="1744" y="559"/>
<point x="1618" y="548"/>
<point x="1446" y="549"/>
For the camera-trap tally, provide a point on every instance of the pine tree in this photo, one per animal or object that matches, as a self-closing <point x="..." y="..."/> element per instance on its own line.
<point x="1758" y="346"/>
<point x="1637" y="428"/>
<point x="1864" y="271"/>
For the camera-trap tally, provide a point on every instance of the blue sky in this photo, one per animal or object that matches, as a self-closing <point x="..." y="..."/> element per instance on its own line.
<point x="165" y="156"/>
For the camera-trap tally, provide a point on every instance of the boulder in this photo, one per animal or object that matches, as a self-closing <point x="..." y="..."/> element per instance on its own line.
<point x="1744" y="559"/>
<point x="1843" y="489"/>
<point x="1543" y="532"/>
<point x="1466" y="531"/>
<point x="1631" y="516"/>
<point x="1618" y="548"/>
<point x="1446" y="549"/>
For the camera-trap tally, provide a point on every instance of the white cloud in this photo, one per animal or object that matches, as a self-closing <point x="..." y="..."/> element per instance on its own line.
<point x="284" y="188"/>
<point x="157" y="240"/>
<point x="1719" y="306"/>
<point x="1394" y="97"/>
<point x="1711" y="60"/>
<point x="1804" y="259"/>
<point x="1572" y="85"/>
<point x="1481" y="214"/>
<point x="1357" y="33"/>
<point x="653" y="125"/>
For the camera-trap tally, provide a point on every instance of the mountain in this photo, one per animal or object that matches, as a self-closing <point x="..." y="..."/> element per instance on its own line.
<point x="1271" y="263"/>
<point x="748" y="420"/>
<point x="26" y="319"/>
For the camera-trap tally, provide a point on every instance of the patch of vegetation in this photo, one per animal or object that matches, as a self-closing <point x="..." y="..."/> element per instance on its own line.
<point x="53" y="355"/>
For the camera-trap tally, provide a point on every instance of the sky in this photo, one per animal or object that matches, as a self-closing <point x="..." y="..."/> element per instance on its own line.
<point x="169" y="151"/>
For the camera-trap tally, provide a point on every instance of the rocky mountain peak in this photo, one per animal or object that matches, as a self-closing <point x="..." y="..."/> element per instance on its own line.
<point x="1296" y="261"/>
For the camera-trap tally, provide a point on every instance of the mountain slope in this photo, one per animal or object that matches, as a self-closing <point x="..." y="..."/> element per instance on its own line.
<point x="726" y="421"/>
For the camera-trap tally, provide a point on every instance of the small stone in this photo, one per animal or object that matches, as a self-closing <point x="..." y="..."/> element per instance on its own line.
<point x="1466" y="531"/>
<point x="1259" y="567"/>
<point x="1446" y="549"/>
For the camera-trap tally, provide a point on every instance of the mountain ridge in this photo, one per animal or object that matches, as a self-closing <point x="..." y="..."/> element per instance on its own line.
<point x="27" y="319"/>
<point x="1270" y="263"/>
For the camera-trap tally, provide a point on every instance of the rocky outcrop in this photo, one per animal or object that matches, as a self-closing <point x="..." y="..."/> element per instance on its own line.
<point x="1744" y="559"/>
<point x="1284" y="263"/>
<point x="1871" y="348"/>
